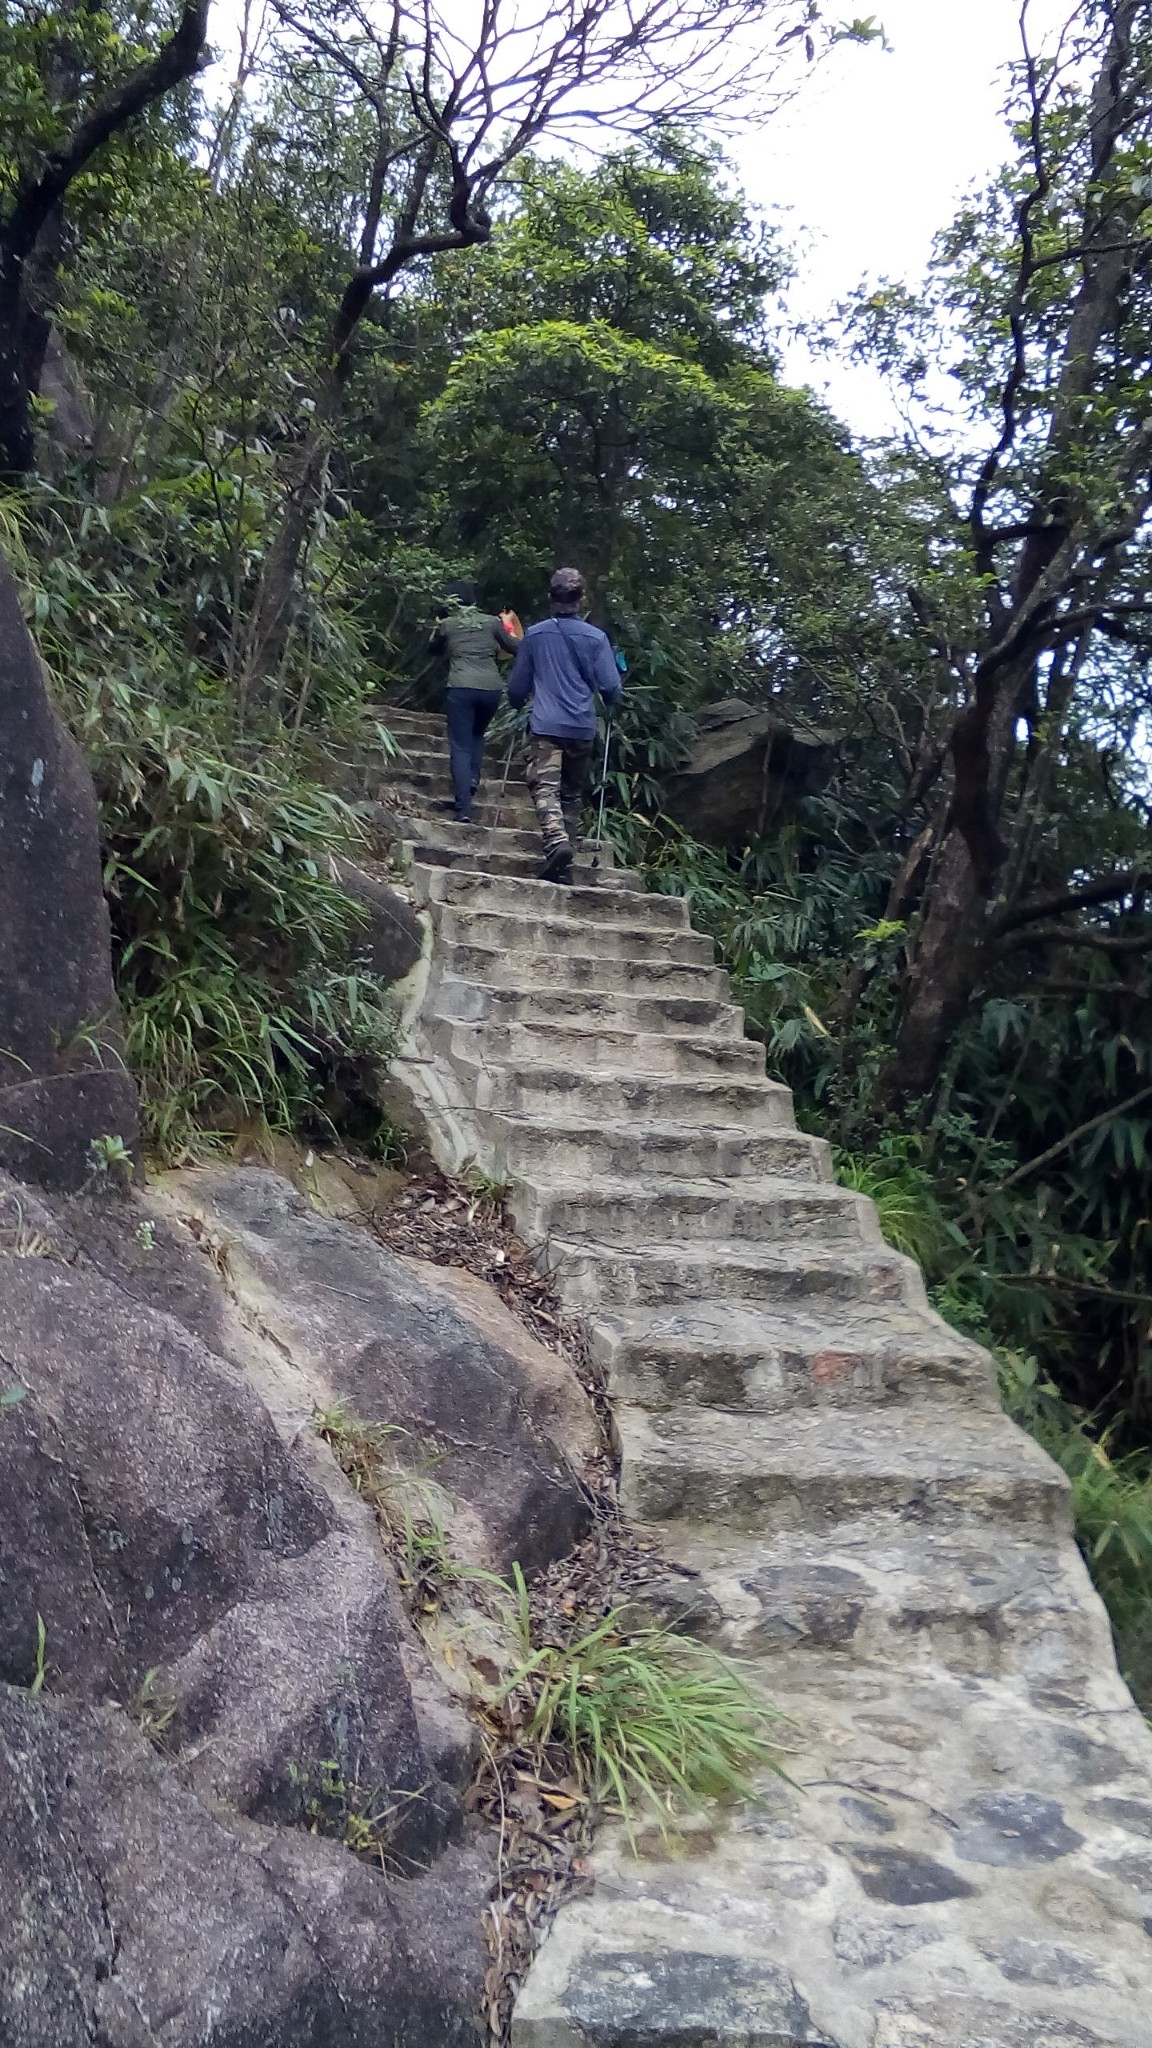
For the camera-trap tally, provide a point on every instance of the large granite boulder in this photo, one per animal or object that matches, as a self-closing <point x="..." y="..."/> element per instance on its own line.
<point x="746" y="772"/>
<point x="207" y="1668"/>
<point x="62" y="1077"/>
<point x="132" y="1913"/>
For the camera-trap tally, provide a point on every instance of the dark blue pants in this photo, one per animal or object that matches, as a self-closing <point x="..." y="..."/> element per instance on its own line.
<point x="470" y="713"/>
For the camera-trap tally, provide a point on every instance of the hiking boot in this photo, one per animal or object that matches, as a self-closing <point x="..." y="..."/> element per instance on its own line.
<point x="558" y="866"/>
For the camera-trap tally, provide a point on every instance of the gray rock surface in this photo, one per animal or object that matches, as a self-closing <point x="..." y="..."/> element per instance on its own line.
<point x="132" y="1913"/>
<point x="747" y="770"/>
<point x="962" y="1854"/>
<point x="62" y="1077"/>
<point x="204" y="1574"/>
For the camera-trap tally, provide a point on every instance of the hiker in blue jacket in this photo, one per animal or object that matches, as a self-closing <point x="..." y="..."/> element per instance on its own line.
<point x="561" y="664"/>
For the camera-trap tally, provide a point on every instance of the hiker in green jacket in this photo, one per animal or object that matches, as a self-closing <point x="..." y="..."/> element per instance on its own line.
<point x="472" y="639"/>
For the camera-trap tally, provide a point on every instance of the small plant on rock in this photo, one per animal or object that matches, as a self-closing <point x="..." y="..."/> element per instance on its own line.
<point x="365" y="1822"/>
<point x="111" y="1161"/>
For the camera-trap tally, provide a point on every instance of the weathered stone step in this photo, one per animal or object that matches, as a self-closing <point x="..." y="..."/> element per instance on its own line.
<point x="960" y="1862"/>
<point x="594" y="1049"/>
<point x="488" y="893"/>
<point x="496" y="966"/>
<point x="634" y="1212"/>
<point x="409" y="807"/>
<point x="735" y="1354"/>
<point x="525" y="866"/>
<point x="978" y="1601"/>
<point x="815" y="1467"/>
<point x="585" y="1150"/>
<point x="594" y="1275"/>
<point x="428" y="776"/>
<point x="397" y="719"/>
<point x="664" y="1098"/>
<point x="448" y="833"/>
<point x="588" y="1009"/>
<point x="553" y="927"/>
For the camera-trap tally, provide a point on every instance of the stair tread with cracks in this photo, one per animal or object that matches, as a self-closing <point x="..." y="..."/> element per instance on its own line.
<point x="750" y="1355"/>
<point x="963" y="1856"/>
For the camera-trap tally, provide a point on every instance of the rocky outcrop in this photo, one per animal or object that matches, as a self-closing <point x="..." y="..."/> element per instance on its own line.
<point x="959" y="1857"/>
<point x="747" y="770"/>
<point x="207" y="1671"/>
<point x="63" y="1082"/>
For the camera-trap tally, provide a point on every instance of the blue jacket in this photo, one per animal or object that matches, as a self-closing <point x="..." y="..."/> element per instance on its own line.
<point x="561" y="664"/>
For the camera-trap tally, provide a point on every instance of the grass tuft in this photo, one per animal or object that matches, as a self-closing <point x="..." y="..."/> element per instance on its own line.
<point x="654" y="1722"/>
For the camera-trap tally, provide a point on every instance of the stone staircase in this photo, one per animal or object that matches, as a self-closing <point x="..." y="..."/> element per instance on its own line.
<point x="964" y="1856"/>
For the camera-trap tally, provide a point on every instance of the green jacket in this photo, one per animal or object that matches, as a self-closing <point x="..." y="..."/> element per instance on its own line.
<point x="470" y="639"/>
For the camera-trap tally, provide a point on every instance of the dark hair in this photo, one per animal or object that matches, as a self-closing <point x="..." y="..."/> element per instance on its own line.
<point x="455" y="594"/>
<point x="566" y="586"/>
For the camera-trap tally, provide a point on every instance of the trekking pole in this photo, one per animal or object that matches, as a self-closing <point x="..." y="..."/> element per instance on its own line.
<point x="603" y="791"/>
<point x="507" y="772"/>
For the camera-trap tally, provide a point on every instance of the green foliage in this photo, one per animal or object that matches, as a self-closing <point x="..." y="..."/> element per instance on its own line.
<point x="1112" y="1501"/>
<point x="653" y="1722"/>
<point x="366" y="1822"/>
<point x="40" y="1667"/>
<point x="907" y="1202"/>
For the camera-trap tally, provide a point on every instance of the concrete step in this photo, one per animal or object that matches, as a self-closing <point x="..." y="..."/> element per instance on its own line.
<point x="592" y="1049"/>
<point x="433" y="806"/>
<point x="585" y="1150"/>
<point x="427" y="776"/>
<point x="527" y="866"/>
<point x="816" y="1467"/>
<point x="562" y="1091"/>
<point x="765" y="1358"/>
<point x="487" y="841"/>
<point x="588" y="1009"/>
<point x="958" y="1861"/>
<point x="968" y="1599"/>
<point x="493" y="893"/>
<point x="690" y="1270"/>
<point x="553" y="922"/>
<point x="637" y="1212"/>
<point x="397" y="718"/>
<point x="505" y="967"/>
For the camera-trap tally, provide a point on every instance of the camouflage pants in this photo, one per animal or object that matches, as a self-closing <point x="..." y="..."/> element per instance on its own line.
<point x="557" y="773"/>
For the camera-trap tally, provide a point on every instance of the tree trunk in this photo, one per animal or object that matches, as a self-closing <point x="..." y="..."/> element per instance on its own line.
<point x="943" y="972"/>
<point x="948" y="955"/>
<point x="271" y="619"/>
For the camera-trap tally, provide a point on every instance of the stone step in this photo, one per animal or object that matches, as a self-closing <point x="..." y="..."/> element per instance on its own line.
<point x="526" y="866"/>
<point x="818" y="1466"/>
<point x="427" y="776"/>
<point x="592" y="1050"/>
<point x="748" y="1355"/>
<point x="499" y="967"/>
<point x="974" y="1600"/>
<point x="603" y="1275"/>
<point x="413" y="807"/>
<point x="959" y="1861"/>
<point x="665" y="1098"/>
<point x="588" y="1009"/>
<point x="398" y="718"/>
<point x="492" y="893"/>
<point x="447" y="833"/>
<point x="588" y="1150"/>
<point x="549" y="924"/>
<point x="637" y="1212"/>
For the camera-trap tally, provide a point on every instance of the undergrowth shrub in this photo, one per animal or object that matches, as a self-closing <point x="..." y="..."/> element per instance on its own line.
<point x="1112" y="1503"/>
<point x="237" y="954"/>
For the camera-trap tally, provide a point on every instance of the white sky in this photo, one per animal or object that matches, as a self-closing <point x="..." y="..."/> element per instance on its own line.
<point x="869" y="159"/>
<point x="872" y="155"/>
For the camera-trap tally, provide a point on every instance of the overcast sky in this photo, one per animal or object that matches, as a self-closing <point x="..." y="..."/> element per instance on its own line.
<point x="873" y="153"/>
